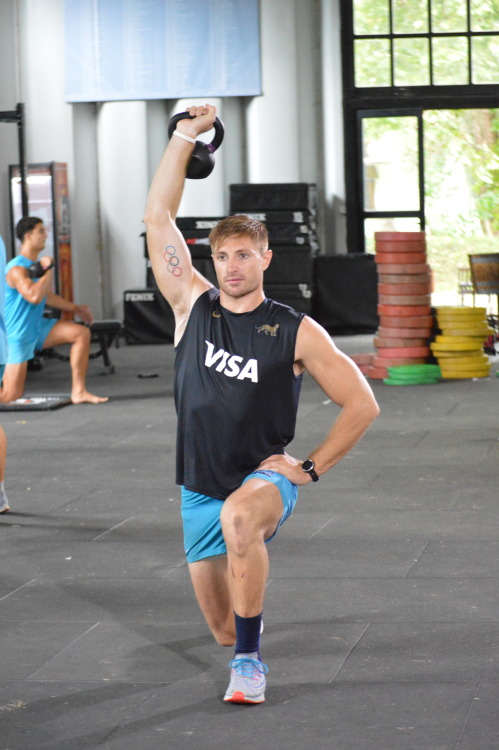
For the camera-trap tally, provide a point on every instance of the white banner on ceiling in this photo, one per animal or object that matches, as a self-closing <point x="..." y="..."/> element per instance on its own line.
<point x="117" y="50"/>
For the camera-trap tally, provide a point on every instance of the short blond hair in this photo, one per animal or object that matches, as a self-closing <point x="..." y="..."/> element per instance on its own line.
<point x="239" y="226"/>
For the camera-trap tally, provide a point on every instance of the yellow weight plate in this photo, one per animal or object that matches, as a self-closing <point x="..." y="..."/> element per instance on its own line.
<point x="451" y="356"/>
<point x="449" y="310"/>
<point x="452" y="365"/>
<point x="463" y="318"/>
<point x="468" y="361"/>
<point x="450" y="321"/>
<point x="454" y="347"/>
<point x="446" y="338"/>
<point x="479" y="331"/>
<point x="462" y="322"/>
<point x="464" y="374"/>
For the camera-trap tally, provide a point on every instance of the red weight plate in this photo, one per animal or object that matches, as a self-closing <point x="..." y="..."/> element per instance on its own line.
<point x="415" y="236"/>
<point x="381" y="342"/>
<point x="404" y="311"/>
<point x="403" y="268"/>
<point x="404" y="299"/>
<point x="405" y="333"/>
<point x="400" y="258"/>
<point x="362" y="358"/>
<point x="403" y="288"/>
<point x="400" y="247"/>
<point x="364" y="368"/>
<point x="405" y="351"/>
<point x="377" y="373"/>
<point x="413" y="321"/>
<point x="395" y="361"/>
<point x="391" y="278"/>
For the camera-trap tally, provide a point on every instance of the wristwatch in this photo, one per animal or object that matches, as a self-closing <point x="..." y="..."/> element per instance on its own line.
<point x="308" y="467"/>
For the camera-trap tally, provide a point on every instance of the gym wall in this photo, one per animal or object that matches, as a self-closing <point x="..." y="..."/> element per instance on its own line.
<point x="293" y="133"/>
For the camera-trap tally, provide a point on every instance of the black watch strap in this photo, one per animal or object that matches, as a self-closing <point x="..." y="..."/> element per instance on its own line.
<point x="308" y="467"/>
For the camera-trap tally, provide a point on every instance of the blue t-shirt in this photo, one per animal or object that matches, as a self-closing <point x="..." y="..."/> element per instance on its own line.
<point x="27" y="329"/>
<point x="3" y="332"/>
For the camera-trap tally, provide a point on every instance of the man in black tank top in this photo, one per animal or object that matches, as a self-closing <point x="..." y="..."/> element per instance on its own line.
<point x="240" y="358"/>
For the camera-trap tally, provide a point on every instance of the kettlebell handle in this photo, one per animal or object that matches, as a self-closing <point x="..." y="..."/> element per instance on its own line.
<point x="218" y="125"/>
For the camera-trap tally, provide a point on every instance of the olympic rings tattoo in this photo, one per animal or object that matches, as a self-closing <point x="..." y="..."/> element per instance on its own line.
<point x="172" y="260"/>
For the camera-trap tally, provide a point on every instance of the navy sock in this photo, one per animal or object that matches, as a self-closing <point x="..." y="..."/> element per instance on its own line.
<point x="248" y="634"/>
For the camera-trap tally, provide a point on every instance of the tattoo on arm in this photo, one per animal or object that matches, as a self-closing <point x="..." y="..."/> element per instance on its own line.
<point x="172" y="260"/>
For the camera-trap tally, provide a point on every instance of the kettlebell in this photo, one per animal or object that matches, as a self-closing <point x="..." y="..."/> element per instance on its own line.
<point x="36" y="271"/>
<point x="202" y="160"/>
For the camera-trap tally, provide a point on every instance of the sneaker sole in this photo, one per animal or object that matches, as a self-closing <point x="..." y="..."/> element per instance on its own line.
<point x="239" y="697"/>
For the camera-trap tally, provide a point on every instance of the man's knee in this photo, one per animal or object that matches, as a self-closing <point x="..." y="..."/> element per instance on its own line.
<point x="77" y="334"/>
<point x="11" y="393"/>
<point x="13" y="382"/>
<point x="239" y="523"/>
<point x="82" y="333"/>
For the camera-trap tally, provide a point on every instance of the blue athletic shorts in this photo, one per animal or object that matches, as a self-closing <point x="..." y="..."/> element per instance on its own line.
<point x="21" y="350"/>
<point x="2" y="370"/>
<point x="201" y="516"/>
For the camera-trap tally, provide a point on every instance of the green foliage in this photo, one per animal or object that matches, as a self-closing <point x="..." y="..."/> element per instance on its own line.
<point x="464" y="144"/>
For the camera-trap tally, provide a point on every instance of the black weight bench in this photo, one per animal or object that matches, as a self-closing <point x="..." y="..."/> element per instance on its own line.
<point x="104" y="333"/>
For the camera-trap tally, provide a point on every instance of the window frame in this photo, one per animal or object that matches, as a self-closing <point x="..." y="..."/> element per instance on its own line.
<point x="394" y="101"/>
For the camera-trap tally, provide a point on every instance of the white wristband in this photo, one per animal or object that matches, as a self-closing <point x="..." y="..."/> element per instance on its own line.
<point x="185" y="137"/>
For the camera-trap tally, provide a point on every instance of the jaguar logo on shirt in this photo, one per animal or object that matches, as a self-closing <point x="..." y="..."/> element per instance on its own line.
<point x="231" y="365"/>
<point x="267" y="329"/>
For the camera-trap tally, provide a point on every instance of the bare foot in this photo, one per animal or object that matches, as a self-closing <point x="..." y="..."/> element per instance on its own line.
<point x="87" y="398"/>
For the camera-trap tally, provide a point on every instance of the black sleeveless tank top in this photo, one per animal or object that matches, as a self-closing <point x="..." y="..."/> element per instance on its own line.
<point x="236" y="394"/>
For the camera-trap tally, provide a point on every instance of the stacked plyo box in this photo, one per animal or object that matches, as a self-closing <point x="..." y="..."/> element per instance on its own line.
<point x="404" y="302"/>
<point x="459" y="348"/>
<point x="289" y="211"/>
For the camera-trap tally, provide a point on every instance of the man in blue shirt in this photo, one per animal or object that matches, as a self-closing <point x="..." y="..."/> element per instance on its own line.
<point x="27" y="329"/>
<point x="4" y="503"/>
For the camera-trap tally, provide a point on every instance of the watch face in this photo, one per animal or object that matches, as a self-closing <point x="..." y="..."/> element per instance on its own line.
<point x="308" y="465"/>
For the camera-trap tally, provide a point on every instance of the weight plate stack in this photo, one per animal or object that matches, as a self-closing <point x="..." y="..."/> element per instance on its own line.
<point x="404" y="301"/>
<point x="459" y="348"/>
<point x="413" y="375"/>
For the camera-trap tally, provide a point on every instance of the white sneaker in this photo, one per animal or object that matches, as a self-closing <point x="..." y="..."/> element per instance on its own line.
<point x="4" y="505"/>
<point x="247" y="680"/>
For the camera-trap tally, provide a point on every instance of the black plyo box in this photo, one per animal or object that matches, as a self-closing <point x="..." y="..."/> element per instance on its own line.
<point x="148" y="317"/>
<point x="205" y="223"/>
<point x="286" y="196"/>
<point x="284" y="217"/>
<point x="290" y="265"/>
<point x="297" y="296"/>
<point x="345" y="293"/>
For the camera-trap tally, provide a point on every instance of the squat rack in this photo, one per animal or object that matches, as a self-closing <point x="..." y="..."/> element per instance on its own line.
<point x="17" y="116"/>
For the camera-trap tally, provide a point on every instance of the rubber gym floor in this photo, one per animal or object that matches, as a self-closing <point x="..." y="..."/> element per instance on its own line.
<point x="381" y="614"/>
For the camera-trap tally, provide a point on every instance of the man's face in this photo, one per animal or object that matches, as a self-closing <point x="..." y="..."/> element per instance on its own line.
<point x="239" y="266"/>
<point x="38" y="237"/>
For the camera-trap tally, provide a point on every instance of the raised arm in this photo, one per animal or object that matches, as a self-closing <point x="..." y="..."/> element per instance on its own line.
<point x="170" y="258"/>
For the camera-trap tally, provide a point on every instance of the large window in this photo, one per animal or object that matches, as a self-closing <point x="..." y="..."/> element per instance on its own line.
<point x="402" y="58"/>
<point x="425" y="42"/>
